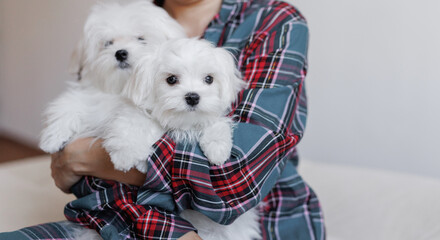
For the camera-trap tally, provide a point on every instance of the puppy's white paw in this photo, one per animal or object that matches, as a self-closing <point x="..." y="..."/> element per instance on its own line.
<point x="121" y="160"/>
<point x="54" y="141"/>
<point x="126" y="160"/>
<point x="142" y="158"/>
<point x="217" y="152"/>
<point x="216" y="142"/>
<point x="52" y="146"/>
<point x="142" y="166"/>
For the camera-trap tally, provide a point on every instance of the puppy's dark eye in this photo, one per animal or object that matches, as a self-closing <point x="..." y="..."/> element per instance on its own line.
<point x="141" y="38"/>
<point x="108" y="43"/>
<point x="209" y="79"/>
<point x="171" y="80"/>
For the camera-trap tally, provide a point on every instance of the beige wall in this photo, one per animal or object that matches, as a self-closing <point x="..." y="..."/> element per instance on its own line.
<point x="373" y="82"/>
<point x="36" y="40"/>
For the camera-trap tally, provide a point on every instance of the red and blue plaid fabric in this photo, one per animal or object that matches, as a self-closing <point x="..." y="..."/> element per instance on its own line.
<point x="269" y="40"/>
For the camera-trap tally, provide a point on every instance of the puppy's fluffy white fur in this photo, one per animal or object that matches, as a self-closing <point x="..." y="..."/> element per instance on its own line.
<point x="184" y="87"/>
<point x="89" y="104"/>
<point x="159" y="89"/>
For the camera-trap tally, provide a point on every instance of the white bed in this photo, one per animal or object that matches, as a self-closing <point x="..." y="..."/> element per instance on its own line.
<point x="358" y="203"/>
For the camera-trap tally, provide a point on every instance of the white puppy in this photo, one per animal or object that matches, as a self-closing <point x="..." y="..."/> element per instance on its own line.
<point x="184" y="87"/>
<point x="113" y="38"/>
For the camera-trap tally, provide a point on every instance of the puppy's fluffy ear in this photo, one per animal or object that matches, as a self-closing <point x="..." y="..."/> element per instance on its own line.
<point x="140" y="85"/>
<point x="232" y="83"/>
<point x="77" y="60"/>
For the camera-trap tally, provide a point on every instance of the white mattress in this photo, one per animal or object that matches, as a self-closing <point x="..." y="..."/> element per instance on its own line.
<point x="358" y="203"/>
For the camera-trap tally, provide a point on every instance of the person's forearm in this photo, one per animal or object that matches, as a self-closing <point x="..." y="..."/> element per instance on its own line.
<point x="87" y="157"/>
<point x="107" y="171"/>
<point x="100" y="165"/>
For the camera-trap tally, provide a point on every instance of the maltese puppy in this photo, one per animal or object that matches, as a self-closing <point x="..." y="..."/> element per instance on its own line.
<point x="113" y="38"/>
<point x="184" y="87"/>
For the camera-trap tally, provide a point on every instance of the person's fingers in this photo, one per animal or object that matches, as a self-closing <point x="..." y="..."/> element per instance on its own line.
<point x="53" y="165"/>
<point x="61" y="176"/>
<point x="79" y="157"/>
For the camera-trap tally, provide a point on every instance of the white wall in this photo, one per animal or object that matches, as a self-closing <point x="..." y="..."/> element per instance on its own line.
<point x="372" y="81"/>
<point x="373" y="84"/>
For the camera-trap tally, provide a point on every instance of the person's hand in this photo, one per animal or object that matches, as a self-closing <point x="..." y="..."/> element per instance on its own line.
<point x="62" y="172"/>
<point x="78" y="158"/>
<point x="87" y="157"/>
<point x="190" y="236"/>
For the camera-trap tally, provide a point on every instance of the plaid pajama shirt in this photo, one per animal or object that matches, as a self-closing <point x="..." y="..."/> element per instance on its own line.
<point x="269" y="40"/>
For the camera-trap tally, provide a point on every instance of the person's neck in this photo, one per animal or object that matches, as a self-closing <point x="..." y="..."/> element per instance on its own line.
<point x="194" y="16"/>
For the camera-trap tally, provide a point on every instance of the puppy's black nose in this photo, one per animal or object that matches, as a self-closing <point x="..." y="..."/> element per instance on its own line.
<point x="121" y="55"/>
<point x="192" y="99"/>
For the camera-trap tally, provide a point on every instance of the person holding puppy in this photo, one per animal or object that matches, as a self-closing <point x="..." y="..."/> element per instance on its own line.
<point x="269" y="40"/>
